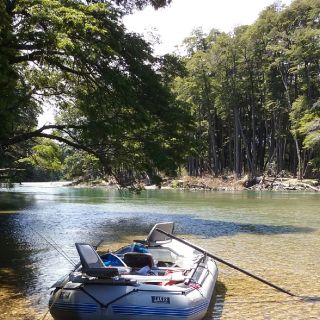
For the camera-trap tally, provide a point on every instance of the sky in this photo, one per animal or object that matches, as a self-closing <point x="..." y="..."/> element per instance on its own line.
<point x="176" y="22"/>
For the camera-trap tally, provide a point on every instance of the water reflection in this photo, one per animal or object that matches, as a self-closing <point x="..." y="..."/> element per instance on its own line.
<point x="14" y="202"/>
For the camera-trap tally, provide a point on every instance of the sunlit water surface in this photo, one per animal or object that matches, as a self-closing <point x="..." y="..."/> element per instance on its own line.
<point x="271" y="234"/>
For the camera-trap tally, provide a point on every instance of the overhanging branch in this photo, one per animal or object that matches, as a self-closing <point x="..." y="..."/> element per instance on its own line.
<point x="39" y="133"/>
<point x="36" y="133"/>
<point x="34" y="55"/>
<point x="102" y="158"/>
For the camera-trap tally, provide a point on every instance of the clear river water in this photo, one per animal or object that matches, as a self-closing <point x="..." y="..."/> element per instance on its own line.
<point x="275" y="235"/>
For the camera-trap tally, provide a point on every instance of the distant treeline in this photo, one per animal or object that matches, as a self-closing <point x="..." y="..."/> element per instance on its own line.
<point x="254" y="94"/>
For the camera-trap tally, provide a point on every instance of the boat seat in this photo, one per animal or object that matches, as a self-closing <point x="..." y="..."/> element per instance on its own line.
<point x="138" y="259"/>
<point x="156" y="238"/>
<point x="88" y="256"/>
<point x="93" y="265"/>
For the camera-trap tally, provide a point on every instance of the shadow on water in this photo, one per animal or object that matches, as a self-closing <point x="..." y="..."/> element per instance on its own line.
<point x="13" y="202"/>
<point x="217" y="302"/>
<point x="200" y="227"/>
<point x="216" y="228"/>
<point x="17" y="265"/>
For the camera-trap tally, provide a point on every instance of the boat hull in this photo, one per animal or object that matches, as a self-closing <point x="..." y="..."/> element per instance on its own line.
<point x="141" y="301"/>
<point x="158" y="278"/>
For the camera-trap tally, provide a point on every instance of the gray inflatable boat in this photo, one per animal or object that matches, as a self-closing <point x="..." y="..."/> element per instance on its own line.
<point x="156" y="278"/>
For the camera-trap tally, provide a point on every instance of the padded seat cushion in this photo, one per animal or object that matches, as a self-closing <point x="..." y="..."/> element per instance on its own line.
<point x="138" y="260"/>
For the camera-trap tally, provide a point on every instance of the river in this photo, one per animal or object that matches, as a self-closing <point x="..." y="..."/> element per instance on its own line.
<point x="273" y="234"/>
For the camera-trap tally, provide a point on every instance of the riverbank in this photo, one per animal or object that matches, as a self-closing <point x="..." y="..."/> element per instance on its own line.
<point x="231" y="184"/>
<point x="209" y="183"/>
<point x="14" y="305"/>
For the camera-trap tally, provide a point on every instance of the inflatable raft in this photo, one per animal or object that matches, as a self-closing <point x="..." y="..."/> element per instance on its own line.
<point x="152" y="279"/>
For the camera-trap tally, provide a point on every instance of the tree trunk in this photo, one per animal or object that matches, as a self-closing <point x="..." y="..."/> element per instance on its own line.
<point x="287" y="94"/>
<point x="237" y="143"/>
<point x="209" y="109"/>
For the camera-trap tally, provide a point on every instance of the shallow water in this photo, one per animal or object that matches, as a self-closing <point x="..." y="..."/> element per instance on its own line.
<point x="271" y="234"/>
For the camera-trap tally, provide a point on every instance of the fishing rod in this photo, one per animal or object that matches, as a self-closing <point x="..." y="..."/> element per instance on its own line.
<point x="60" y="250"/>
<point x="305" y="298"/>
<point x="54" y="245"/>
<point x="64" y="254"/>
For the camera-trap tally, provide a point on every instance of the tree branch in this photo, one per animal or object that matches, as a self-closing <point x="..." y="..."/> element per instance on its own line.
<point x="32" y="56"/>
<point x="37" y="133"/>
<point x="102" y="158"/>
<point x="28" y="57"/>
<point x="65" y="68"/>
<point x="66" y="141"/>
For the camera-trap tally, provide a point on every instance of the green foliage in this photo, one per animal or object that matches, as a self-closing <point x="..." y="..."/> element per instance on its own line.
<point x="106" y="86"/>
<point x="253" y="93"/>
<point x="237" y="102"/>
<point x="81" y="164"/>
<point x="130" y="5"/>
<point x="46" y="155"/>
<point x="309" y="126"/>
<point x="299" y="107"/>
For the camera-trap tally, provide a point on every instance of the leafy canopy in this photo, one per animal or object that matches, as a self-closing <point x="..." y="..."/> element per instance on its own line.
<point x="104" y="82"/>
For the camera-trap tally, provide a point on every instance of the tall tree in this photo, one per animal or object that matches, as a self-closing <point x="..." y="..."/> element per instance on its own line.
<point x="197" y="89"/>
<point x="104" y="82"/>
<point x="261" y="84"/>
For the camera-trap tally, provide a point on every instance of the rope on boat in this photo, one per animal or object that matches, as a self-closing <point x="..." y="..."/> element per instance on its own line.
<point x="106" y="305"/>
<point x="304" y="298"/>
<point x="103" y="305"/>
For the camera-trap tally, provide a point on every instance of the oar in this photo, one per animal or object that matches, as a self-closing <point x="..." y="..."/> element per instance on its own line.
<point x="237" y="268"/>
<point x="98" y="244"/>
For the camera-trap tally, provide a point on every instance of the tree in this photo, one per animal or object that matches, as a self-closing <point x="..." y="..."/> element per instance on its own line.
<point x="254" y="93"/>
<point x="309" y="128"/>
<point x="80" y="164"/>
<point x="45" y="159"/>
<point x="104" y="82"/>
<point x="196" y="88"/>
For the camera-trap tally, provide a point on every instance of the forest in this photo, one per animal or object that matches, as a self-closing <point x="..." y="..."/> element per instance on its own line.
<point x="239" y="103"/>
